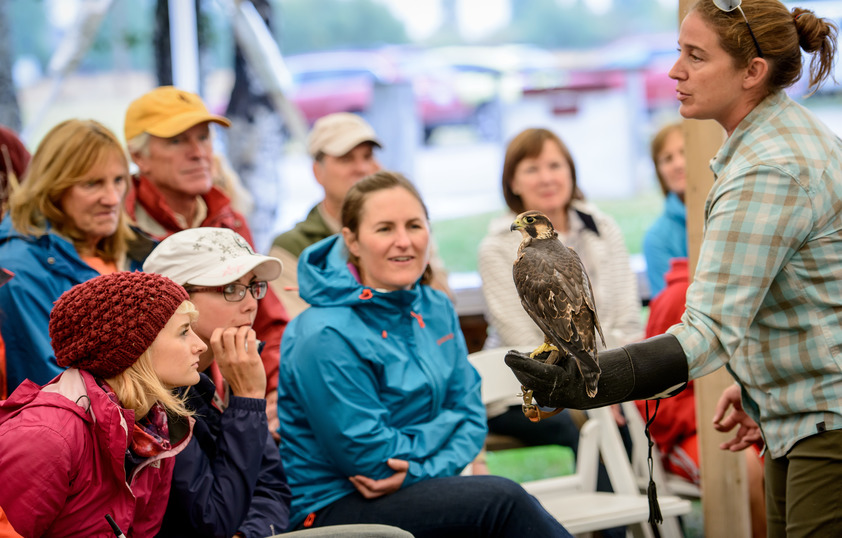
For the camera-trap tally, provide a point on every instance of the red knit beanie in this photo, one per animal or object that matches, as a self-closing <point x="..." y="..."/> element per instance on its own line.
<point x="104" y="325"/>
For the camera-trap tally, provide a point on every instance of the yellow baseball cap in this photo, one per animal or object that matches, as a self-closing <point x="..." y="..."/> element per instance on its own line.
<point x="167" y="111"/>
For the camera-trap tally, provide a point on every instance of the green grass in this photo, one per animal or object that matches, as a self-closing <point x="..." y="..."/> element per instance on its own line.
<point x="458" y="239"/>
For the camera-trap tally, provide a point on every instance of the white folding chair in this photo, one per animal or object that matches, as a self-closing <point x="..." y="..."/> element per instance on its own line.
<point x="668" y="483"/>
<point x="573" y="499"/>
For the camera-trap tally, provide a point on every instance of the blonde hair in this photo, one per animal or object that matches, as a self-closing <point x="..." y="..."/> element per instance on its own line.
<point x="139" y="388"/>
<point x="227" y="179"/>
<point x="66" y="154"/>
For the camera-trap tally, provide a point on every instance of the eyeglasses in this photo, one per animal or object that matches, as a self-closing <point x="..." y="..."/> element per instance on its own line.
<point x="730" y="5"/>
<point x="236" y="292"/>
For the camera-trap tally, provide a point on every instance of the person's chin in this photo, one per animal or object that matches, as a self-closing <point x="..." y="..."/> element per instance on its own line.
<point x="197" y="184"/>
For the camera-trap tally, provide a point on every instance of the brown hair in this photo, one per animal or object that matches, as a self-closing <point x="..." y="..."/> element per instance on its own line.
<point x="780" y="34"/>
<point x="352" y="206"/>
<point x="68" y="152"/>
<point x="528" y="145"/>
<point x="658" y="145"/>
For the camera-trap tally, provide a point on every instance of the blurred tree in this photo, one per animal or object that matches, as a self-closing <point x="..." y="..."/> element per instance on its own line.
<point x="9" y="108"/>
<point x="552" y="24"/>
<point x="448" y="33"/>
<point x="30" y="33"/>
<point x="310" y="25"/>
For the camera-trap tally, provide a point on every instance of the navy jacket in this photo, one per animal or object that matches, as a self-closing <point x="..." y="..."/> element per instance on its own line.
<point x="229" y="478"/>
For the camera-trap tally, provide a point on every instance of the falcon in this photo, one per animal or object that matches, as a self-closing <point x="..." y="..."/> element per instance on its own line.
<point x="556" y="292"/>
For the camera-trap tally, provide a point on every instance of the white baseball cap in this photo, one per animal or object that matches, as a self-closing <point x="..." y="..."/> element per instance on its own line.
<point x="337" y="134"/>
<point x="209" y="257"/>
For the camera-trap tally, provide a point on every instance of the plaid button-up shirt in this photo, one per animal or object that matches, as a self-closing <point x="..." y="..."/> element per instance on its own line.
<point x="766" y="300"/>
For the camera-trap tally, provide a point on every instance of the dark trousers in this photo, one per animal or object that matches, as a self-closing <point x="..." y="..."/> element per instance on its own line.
<point x="804" y="488"/>
<point x="456" y="506"/>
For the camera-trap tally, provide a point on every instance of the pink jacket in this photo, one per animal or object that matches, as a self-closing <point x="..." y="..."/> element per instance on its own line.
<point x="62" y="451"/>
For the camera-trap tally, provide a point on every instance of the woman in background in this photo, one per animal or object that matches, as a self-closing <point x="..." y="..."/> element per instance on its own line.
<point x="667" y="237"/>
<point x="538" y="173"/>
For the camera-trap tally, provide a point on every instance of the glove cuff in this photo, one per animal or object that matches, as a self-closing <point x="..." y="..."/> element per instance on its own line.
<point x="659" y="366"/>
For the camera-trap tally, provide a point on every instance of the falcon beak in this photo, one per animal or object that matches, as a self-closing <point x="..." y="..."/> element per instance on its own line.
<point x="516" y="225"/>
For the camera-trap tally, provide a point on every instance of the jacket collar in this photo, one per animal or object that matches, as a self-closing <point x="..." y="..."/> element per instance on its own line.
<point x="147" y="195"/>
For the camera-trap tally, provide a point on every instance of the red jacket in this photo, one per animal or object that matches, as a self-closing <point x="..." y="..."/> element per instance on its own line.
<point x="62" y="463"/>
<point x="6" y="530"/>
<point x="677" y="415"/>
<point x="271" y="317"/>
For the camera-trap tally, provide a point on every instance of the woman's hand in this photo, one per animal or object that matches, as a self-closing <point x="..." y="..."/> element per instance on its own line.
<point x="747" y="434"/>
<point x="371" y="489"/>
<point x="235" y="351"/>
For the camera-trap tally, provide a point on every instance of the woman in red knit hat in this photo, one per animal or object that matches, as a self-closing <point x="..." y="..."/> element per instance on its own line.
<point x="100" y="438"/>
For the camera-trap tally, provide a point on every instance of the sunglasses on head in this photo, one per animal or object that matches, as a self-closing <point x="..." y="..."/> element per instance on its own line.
<point x="730" y="5"/>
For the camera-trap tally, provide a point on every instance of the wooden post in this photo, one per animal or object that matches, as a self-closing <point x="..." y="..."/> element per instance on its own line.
<point x="724" y="480"/>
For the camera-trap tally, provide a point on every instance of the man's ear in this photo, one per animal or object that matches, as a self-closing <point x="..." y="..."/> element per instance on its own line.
<point x="139" y="160"/>
<point x="317" y="172"/>
<point x="756" y="74"/>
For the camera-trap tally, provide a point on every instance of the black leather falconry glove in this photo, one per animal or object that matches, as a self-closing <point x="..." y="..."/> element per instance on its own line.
<point x="655" y="367"/>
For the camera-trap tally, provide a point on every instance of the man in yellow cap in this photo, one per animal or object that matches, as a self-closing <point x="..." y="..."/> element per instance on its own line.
<point x="168" y="135"/>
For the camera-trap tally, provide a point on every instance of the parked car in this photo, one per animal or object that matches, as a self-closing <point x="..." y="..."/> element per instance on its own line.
<point x="345" y="81"/>
<point x="488" y="77"/>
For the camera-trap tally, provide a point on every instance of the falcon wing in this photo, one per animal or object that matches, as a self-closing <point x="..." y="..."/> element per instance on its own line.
<point x="556" y="293"/>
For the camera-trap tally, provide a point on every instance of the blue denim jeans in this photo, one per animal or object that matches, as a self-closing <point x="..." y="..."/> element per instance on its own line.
<point x="456" y="506"/>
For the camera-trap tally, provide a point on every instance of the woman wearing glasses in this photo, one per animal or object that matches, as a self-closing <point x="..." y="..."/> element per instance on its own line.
<point x="229" y="479"/>
<point x="766" y="299"/>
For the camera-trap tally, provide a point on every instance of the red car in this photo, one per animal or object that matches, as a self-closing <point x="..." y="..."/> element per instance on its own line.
<point x="344" y="81"/>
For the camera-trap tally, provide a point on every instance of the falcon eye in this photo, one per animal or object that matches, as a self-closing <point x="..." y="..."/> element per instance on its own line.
<point x="530" y="220"/>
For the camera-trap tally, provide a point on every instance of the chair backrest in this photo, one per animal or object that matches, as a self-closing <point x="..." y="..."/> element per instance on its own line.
<point x="499" y="384"/>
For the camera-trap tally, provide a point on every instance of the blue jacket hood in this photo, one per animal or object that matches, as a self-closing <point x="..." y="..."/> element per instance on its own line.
<point x="325" y="279"/>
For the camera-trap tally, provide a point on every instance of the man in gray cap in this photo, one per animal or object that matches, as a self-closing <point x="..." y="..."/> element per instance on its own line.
<point x="342" y="147"/>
